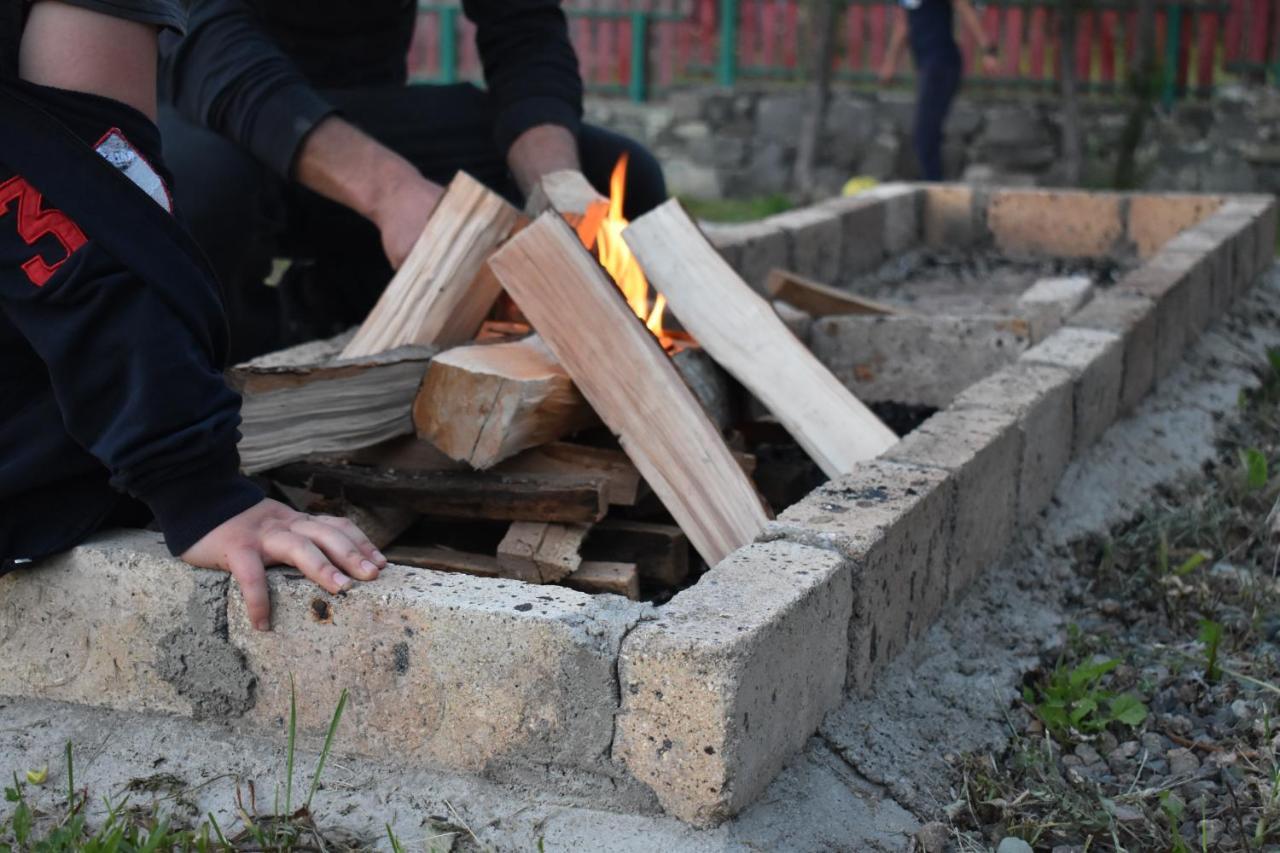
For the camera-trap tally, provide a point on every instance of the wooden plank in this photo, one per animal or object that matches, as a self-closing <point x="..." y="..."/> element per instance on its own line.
<point x="598" y="577"/>
<point x="820" y="300"/>
<point x="482" y="404"/>
<point x="443" y="560"/>
<point x="456" y="494"/>
<point x="437" y="296"/>
<point x="538" y="552"/>
<point x="660" y="551"/>
<point x="632" y="385"/>
<point x="623" y="484"/>
<point x="307" y="400"/>
<point x="741" y="331"/>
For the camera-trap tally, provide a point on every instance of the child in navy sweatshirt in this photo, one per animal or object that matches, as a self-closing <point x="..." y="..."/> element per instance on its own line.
<point x="113" y="406"/>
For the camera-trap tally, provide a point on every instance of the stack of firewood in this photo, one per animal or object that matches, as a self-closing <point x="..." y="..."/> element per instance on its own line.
<point x="560" y="440"/>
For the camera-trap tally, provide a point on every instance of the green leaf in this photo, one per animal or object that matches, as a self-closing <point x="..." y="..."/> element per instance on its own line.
<point x="1255" y="466"/>
<point x="1192" y="563"/>
<point x="1128" y="709"/>
<point x="22" y="823"/>
<point x="1273" y="357"/>
<point x="1087" y="673"/>
<point x="1210" y="632"/>
<point x="1171" y="806"/>
<point x="1082" y="709"/>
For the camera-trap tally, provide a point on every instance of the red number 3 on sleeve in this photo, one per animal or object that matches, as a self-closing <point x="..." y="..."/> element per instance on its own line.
<point x="36" y="221"/>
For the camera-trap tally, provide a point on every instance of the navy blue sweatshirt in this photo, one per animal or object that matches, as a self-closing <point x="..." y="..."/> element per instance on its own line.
<point x="251" y="69"/>
<point x="110" y="374"/>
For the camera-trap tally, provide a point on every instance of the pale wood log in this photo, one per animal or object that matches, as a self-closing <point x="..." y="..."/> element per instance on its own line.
<point x="482" y="404"/>
<point x="632" y="385"/>
<point x="440" y="294"/>
<point x="307" y="400"/>
<point x="541" y="553"/>
<point x="819" y="299"/>
<point x="741" y="331"/>
<point x="598" y="577"/>
<point x="443" y="560"/>
<point x="456" y="494"/>
<point x="570" y="194"/>
<point x="660" y="551"/>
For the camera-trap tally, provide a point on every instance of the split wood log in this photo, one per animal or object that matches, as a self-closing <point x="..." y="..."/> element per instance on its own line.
<point x="631" y="384"/>
<point x="741" y="332"/>
<point x="570" y="194"/>
<point x="597" y="577"/>
<point x="541" y="553"/>
<point x="819" y="299"/>
<point x="308" y="400"/>
<point x="441" y="292"/>
<point x="481" y="404"/>
<point x="660" y="551"/>
<point x="457" y="494"/>
<point x="623" y="484"/>
<point x="443" y="560"/>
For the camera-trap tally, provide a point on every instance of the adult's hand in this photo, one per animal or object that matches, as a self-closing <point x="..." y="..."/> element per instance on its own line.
<point x="331" y="551"/>
<point x="402" y="212"/>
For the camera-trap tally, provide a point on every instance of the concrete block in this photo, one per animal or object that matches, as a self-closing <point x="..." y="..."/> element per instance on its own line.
<point x="1066" y="224"/>
<point x="1096" y="361"/>
<point x="1155" y="219"/>
<point x="734" y="677"/>
<point x="1218" y="265"/>
<point x="1042" y="398"/>
<point x="815" y="241"/>
<point x="1197" y="272"/>
<point x="464" y="673"/>
<point x="755" y="247"/>
<point x="953" y="216"/>
<point x="799" y="322"/>
<point x="1167" y="279"/>
<point x="1048" y="302"/>
<point x="726" y="240"/>
<point x="117" y="622"/>
<point x="1261" y="241"/>
<point x="1133" y="318"/>
<point x="903" y="206"/>
<point x="982" y="449"/>
<point x="1236" y="228"/>
<point x="894" y="523"/>
<point x="918" y="359"/>
<point x="862" y="228"/>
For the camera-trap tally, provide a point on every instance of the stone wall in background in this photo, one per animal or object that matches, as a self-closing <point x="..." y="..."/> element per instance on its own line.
<point x="717" y="143"/>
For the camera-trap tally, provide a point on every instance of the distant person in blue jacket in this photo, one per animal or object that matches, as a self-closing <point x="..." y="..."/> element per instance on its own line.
<point x="930" y="26"/>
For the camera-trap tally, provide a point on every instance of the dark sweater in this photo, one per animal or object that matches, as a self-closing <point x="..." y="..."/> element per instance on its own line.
<point x="111" y="340"/>
<point x="251" y="69"/>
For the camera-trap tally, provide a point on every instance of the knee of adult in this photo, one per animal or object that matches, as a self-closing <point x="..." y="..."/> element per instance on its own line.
<point x="646" y="185"/>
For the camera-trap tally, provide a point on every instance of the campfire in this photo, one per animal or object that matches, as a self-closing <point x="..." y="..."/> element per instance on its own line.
<point x="570" y="443"/>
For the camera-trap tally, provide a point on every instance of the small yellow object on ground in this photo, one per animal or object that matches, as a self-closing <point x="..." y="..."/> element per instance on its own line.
<point x="858" y="184"/>
<point x="38" y="777"/>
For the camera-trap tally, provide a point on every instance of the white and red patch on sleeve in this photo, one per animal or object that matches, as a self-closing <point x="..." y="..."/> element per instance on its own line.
<point x="117" y="150"/>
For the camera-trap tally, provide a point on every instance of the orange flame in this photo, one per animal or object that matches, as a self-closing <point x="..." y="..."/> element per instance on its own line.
<point x="616" y="257"/>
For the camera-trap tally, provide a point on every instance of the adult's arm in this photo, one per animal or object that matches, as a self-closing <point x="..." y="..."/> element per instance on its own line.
<point x="897" y="41"/>
<point x="970" y="20"/>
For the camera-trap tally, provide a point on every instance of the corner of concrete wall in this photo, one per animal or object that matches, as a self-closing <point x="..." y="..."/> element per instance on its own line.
<point x="733" y="676"/>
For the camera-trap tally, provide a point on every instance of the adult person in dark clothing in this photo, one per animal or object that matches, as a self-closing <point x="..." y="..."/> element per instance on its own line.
<point x="113" y="405"/>
<point x="929" y="27"/>
<point x="292" y="133"/>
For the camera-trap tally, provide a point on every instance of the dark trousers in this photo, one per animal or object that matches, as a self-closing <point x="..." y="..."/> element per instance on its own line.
<point x="938" y="82"/>
<point x="244" y="215"/>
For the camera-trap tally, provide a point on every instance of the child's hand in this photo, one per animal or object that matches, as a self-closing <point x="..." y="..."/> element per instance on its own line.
<point x="328" y="550"/>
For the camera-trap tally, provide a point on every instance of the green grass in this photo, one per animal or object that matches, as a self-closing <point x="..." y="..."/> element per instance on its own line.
<point x="736" y="209"/>
<point x="129" y="829"/>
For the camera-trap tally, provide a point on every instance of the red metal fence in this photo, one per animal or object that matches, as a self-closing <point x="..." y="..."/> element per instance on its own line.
<point x="636" y="46"/>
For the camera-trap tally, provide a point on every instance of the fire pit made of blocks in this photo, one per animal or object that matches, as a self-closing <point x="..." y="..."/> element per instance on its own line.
<point x="690" y="700"/>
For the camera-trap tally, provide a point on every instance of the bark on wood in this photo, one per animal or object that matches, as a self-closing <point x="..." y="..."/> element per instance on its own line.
<point x="632" y="385"/>
<point x="597" y="577"/>
<point x="741" y="332"/>
<point x="443" y="560"/>
<point x="660" y="551"/>
<point x="457" y="494"/>
<point x="818" y="299"/>
<point x="484" y="404"/>
<point x="307" y="400"/>
<point x="623" y="483"/>
<point x="541" y="553"/>
<point x="441" y="293"/>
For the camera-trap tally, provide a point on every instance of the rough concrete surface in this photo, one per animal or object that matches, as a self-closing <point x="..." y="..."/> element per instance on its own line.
<point x="874" y="772"/>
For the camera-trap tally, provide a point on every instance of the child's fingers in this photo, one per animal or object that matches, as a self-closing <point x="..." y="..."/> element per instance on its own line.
<point x="338" y="547"/>
<point x="353" y="532"/>
<point x="292" y="549"/>
<point x="246" y="567"/>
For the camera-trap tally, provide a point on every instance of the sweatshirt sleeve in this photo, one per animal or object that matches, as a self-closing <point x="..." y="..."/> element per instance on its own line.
<point x="228" y="75"/>
<point x="134" y="365"/>
<point x="529" y="65"/>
